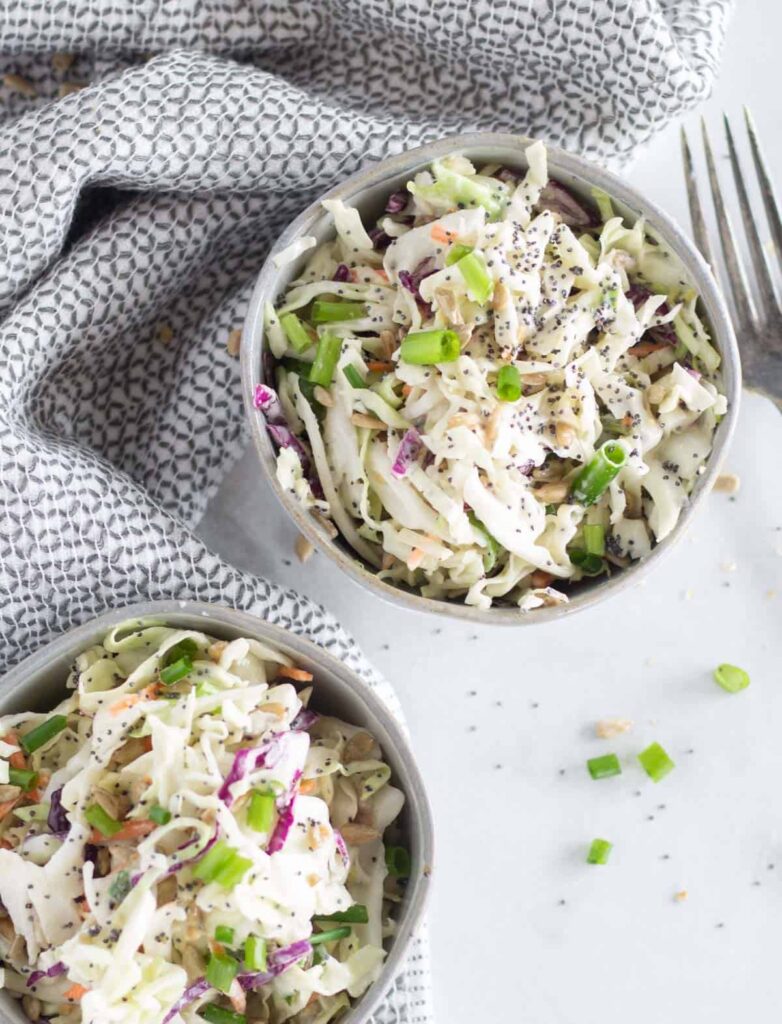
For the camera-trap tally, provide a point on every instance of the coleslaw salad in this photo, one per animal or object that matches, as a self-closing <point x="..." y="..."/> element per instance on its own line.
<point x="189" y="840"/>
<point x="452" y="471"/>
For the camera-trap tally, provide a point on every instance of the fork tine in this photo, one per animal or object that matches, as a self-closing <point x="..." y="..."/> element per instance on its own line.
<point x="733" y="264"/>
<point x="759" y="261"/>
<point x="696" y="211"/>
<point x="766" y="188"/>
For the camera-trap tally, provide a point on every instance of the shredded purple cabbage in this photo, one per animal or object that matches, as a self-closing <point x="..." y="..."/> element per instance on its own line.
<point x="278" y="962"/>
<point x="283" y="826"/>
<point x="412" y="279"/>
<point x="396" y="202"/>
<point x="380" y="239"/>
<point x="341" y="846"/>
<point x="199" y="988"/>
<point x="664" y="333"/>
<point x="265" y="399"/>
<point x="507" y="175"/>
<point x="409" y="449"/>
<point x="304" y="720"/>
<point x="555" y="197"/>
<point x="57" y="819"/>
<point x="250" y="759"/>
<point x="52" y="972"/>
<point x="342" y="273"/>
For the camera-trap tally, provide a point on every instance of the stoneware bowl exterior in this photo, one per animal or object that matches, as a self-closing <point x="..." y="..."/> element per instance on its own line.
<point x="367" y="190"/>
<point x="38" y="683"/>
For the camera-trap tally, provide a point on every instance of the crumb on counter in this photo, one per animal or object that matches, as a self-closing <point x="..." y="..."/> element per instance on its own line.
<point x="727" y="483"/>
<point x="62" y="61"/>
<point x="20" y="85"/>
<point x="680" y="896"/>
<point x="607" y="728"/>
<point x="234" y="342"/>
<point x="165" y="333"/>
<point x="728" y="566"/>
<point x="304" y="550"/>
<point x="68" y="88"/>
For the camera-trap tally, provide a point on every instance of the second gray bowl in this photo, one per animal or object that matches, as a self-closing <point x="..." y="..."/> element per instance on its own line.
<point x="37" y="684"/>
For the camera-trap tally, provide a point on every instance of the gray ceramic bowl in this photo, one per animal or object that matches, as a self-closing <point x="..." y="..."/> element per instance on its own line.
<point x="38" y="684"/>
<point x="368" y="190"/>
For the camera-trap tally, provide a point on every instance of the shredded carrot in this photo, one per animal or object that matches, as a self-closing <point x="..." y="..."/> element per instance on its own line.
<point x="308" y="786"/>
<point x="124" y="703"/>
<point x="148" y="693"/>
<point x="379" y="366"/>
<point x="300" y="675"/>
<point x="540" y="578"/>
<point x="645" y="348"/>
<point x="5" y="845"/>
<point x="6" y="807"/>
<point x="34" y="796"/>
<point x="382" y="274"/>
<point x="440" y="234"/>
<point x="407" y="390"/>
<point x="136" y="829"/>
<point x="147" y="741"/>
<point x="75" y="992"/>
<point x="415" y="558"/>
<point x="17" y="759"/>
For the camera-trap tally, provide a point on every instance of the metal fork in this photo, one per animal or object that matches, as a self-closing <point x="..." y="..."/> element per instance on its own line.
<point x="758" y="318"/>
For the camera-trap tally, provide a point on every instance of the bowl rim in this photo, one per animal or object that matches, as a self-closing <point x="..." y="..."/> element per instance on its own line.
<point x="560" y="161"/>
<point x="27" y="673"/>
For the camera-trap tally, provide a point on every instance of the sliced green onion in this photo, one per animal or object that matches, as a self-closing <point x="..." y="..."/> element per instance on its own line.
<point x="614" y="426"/>
<point x="595" y="539"/>
<point x="509" y="384"/>
<point x="120" y="887"/>
<point x="206" y="869"/>
<point x="357" y="914"/>
<point x="493" y="547"/>
<point x="477" y="278"/>
<point x="598" y="473"/>
<point x="233" y="871"/>
<point x="23" y="777"/>
<point x="590" y="565"/>
<point x="731" y="678"/>
<point x="260" y="811"/>
<point x="330" y="936"/>
<point x="178" y="670"/>
<point x="655" y="762"/>
<point x="101" y="820"/>
<point x="221" y="971"/>
<point x="219" y="1015"/>
<point x="604" y="767"/>
<point x="326" y="359"/>
<point x="426" y="348"/>
<point x="457" y="252"/>
<point x="333" y="312"/>
<point x="207" y="689"/>
<point x="603" y="204"/>
<point x="599" y="851"/>
<point x="296" y="333"/>
<point x="186" y="648"/>
<point x="224" y="935"/>
<point x="255" y="953"/>
<point x="354" y="377"/>
<point x="42" y="733"/>
<point x="159" y="815"/>
<point x="398" y="861"/>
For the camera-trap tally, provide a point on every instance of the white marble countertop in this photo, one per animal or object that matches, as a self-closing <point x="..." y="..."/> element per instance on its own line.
<point x="503" y="720"/>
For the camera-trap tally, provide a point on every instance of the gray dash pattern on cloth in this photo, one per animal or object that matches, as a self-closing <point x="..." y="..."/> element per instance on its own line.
<point x="135" y="213"/>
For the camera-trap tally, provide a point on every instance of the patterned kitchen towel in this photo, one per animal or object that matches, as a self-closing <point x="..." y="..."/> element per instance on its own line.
<point x="149" y="153"/>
